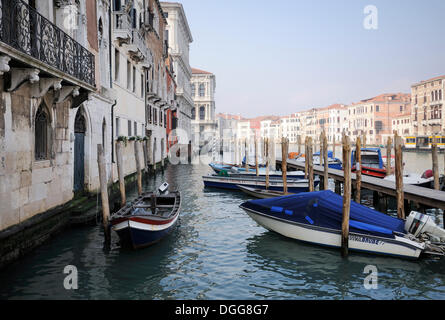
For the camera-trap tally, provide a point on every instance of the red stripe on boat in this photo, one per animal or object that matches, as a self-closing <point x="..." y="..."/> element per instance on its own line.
<point x="141" y="220"/>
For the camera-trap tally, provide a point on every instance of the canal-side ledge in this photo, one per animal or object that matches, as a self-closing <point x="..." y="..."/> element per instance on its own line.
<point x="20" y="239"/>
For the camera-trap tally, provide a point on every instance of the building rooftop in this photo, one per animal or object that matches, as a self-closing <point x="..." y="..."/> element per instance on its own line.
<point x="199" y="71"/>
<point x="429" y="80"/>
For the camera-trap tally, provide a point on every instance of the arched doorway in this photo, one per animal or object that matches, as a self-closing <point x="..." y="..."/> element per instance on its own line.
<point x="79" y="151"/>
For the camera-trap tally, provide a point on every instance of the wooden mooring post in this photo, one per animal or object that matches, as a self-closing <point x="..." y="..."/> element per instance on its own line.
<point x="310" y="158"/>
<point x="388" y="156"/>
<point x="266" y="154"/>
<point x="358" y="172"/>
<point x="325" y="162"/>
<point x="435" y="164"/>
<point x="346" y="196"/>
<point x="399" y="176"/>
<point x="138" y="165"/>
<point x="256" y="157"/>
<point x="284" y="143"/>
<point x="104" y="193"/>
<point x="306" y="148"/>
<point x="246" y="154"/>
<point x="120" y="172"/>
<point x="299" y="144"/>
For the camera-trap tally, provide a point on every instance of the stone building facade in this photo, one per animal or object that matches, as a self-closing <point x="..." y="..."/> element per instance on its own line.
<point x="427" y="107"/>
<point x="179" y="38"/>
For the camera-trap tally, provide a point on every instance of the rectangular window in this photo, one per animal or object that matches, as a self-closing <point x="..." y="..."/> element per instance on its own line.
<point x="128" y="75"/>
<point x="135" y="128"/>
<point x="129" y="128"/>
<point x="377" y="109"/>
<point x="134" y="79"/>
<point x="142" y="85"/>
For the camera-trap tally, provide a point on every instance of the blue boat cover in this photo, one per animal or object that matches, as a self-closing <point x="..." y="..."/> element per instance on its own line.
<point x="325" y="209"/>
<point x="330" y="154"/>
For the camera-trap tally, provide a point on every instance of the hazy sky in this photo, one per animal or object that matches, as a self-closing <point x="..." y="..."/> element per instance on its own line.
<point x="283" y="56"/>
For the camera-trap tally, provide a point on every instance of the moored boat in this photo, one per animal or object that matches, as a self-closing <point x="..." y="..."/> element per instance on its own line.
<point x="275" y="184"/>
<point x="261" y="193"/>
<point x="372" y="163"/>
<point x="262" y="172"/>
<point x="316" y="218"/>
<point x="148" y="219"/>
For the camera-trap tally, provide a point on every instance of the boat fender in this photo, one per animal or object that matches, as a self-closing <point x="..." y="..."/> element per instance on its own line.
<point x="276" y="209"/>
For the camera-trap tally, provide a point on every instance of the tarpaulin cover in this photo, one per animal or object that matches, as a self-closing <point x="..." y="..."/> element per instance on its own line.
<point x="325" y="209"/>
<point x="330" y="154"/>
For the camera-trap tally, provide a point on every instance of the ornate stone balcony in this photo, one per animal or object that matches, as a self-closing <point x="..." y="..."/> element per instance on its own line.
<point x="31" y="38"/>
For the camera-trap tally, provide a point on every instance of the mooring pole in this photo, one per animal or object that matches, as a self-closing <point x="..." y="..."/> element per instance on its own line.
<point x="399" y="177"/>
<point x="120" y="172"/>
<point x="246" y="164"/>
<point x="138" y="166"/>
<point x="435" y="163"/>
<point x="310" y="166"/>
<point x="388" y="156"/>
<point x="299" y="144"/>
<point x="306" y="163"/>
<point x="325" y="161"/>
<point x="284" y="164"/>
<point x="256" y="157"/>
<point x="346" y="196"/>
<point x="333" y="146"/>
<point x="358" y="172"/>
<point x="266" y="145"/>
<point x="104" y="192"/>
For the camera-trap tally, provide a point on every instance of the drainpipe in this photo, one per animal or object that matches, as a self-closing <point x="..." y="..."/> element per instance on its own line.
<point x="109" y="44"/>
<point x="112" y="131"/>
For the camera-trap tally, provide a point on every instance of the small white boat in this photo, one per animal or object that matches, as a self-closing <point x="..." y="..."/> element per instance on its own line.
<point x="425" y="180"/>
<point x="316" y="218"/>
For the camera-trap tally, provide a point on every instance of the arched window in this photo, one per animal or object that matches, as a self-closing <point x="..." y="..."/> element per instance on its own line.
<point x="202" y="113"/>
<point x="201" y="90"/>
<point x="193" y="113"/>
<point x="42" y="127"/>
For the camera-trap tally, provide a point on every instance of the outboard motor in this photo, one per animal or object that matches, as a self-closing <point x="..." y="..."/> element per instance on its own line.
<point x="417" y="223"/>
<point x="163" y="189"/>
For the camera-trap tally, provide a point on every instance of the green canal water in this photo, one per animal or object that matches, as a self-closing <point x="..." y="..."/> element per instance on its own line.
<point x="215" y="252"/>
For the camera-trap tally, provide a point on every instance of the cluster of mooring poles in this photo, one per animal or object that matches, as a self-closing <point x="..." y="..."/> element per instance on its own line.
<point x="120" y="170"/>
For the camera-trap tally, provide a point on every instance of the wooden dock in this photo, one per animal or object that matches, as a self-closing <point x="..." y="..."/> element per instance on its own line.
<point x="427" y="197"/>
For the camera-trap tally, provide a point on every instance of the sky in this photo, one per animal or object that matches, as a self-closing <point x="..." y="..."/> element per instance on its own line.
<point x="284" y="56"/>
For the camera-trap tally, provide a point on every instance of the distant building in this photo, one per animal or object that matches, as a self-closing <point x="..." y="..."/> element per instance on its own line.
<point x="179" y="37"/>
<point x="204" y="124"/>
<point x="427" y="107"/>
<point x="373" y="117"/>
<point x="330" y="119"/>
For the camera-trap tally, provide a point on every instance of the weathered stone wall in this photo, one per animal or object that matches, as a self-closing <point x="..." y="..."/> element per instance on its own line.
<point x="27" y="186"/>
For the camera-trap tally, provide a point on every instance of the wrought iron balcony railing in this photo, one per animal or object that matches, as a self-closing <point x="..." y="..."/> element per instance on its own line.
<point x="24" y="29"/>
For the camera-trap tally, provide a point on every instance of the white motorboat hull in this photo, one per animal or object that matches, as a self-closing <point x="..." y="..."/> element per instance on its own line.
<point x="398" y="247"/>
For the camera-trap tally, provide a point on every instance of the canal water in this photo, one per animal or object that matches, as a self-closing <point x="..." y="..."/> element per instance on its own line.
<point x="215" y="252"/>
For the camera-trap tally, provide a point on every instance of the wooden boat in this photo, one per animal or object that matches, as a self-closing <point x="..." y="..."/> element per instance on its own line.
<point x="333" y="163"/>
<point x="316" y="217"/>
<point x="147" y="220"/>
<point x="372" y="163"/>
<point x="262" y="193"/>
<point x="235" y="171"/>
<point x="275" y="184"/>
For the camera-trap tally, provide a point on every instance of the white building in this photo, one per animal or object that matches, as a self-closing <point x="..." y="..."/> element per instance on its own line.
<point x="179" y="38"/>
<point x="271" y="129"/>
<point x="204" y="123"/>
<point x="290" y="127"/>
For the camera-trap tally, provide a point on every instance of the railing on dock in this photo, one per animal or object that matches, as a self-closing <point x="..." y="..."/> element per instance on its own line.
<point x="428" y="197"/>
